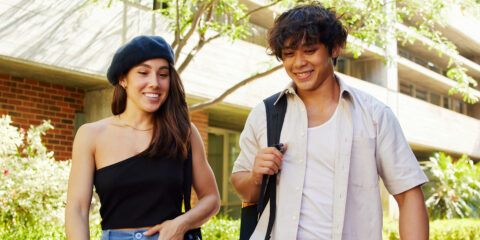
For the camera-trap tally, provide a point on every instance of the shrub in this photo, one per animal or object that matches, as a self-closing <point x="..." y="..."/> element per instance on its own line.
<point x="222" y="228"/>
<point x="33" y="193"/>
<point x="33" y="183"/>
<point x="454" y="188"/>
<point x="449" y="229"/>
<point x="390" y="229"/>
<point x="33" y="230"/>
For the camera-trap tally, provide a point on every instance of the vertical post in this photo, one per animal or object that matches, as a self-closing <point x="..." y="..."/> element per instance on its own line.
<point x="391" y="45"/>
<point x="225" y="159"/>
<point x="124" y="23"/>
<point x="154" y="23"/>
<point x="392" y="83"/>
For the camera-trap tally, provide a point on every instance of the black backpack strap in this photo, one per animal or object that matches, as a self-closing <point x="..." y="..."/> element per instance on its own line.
<point x="275" y="113"/>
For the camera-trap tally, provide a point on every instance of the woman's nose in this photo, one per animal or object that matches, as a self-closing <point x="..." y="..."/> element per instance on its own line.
<point x="154" y="80"/>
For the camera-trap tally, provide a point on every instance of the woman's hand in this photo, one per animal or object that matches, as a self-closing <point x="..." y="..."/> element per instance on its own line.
<point x="169" y="230"/>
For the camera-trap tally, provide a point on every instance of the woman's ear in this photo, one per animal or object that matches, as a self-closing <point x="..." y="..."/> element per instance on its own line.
<point x="123" y="82"/>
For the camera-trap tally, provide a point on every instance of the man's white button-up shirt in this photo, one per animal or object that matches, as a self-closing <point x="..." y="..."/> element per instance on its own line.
<point x="371" y="145"/>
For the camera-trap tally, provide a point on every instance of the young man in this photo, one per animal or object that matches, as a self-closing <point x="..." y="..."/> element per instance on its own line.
<point x="339" y="140"/>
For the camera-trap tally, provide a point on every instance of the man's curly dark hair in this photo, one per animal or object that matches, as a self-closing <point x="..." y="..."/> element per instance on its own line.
<point x="307" y="25"/>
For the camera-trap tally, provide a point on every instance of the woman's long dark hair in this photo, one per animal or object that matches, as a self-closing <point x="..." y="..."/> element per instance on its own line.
<point x="171" y="124"/>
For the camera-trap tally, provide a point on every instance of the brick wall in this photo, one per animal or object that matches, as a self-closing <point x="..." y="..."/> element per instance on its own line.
<point x="200" y="119"/>
<point x="29" y="102"/>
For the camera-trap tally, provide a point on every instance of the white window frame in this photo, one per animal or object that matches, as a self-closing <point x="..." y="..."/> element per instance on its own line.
<point x="225" y="171"/>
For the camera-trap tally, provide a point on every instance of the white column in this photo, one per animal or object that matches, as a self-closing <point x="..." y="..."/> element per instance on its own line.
<point x="391" y="77"/>
<point x="391" y="45"/>
<point x="124" y="22"/>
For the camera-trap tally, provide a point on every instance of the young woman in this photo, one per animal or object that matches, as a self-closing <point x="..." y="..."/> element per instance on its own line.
<point x="136" y="158"/>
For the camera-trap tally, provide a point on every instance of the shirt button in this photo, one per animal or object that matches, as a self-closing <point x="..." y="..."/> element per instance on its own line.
<point x="303" y="134"/>
<point x="138" y="235"/>
<point x="294" y="217"/>
<point x="297" y="189"/>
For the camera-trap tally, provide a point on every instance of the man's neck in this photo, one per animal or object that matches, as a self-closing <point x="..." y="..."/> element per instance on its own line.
<point x="321" y="102"/>
<point x="325" y="94"/>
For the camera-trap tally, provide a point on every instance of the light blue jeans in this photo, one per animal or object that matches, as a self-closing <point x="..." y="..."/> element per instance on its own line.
<point x="127" y="235"/>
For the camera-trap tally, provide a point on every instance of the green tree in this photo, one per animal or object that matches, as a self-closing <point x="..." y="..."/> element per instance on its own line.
<point x="370" y="22"/>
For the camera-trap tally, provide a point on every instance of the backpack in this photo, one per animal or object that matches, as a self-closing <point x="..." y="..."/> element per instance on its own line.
<point x="268" y="192"/>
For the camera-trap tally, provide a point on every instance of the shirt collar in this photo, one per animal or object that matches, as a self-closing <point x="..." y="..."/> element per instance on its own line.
<point x="345" y="91"/>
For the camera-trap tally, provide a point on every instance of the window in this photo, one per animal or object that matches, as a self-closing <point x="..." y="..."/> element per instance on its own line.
<point x="420" y="61"/>
<point x="406" y="88"/>
<point x="421" y="94"/>
<point x="459" y="106"/>
<point x="223" y="150"/>
<point x="446" y="102"/>
<point x="404" y="53"/>
<point x="436" y="69"/>
<point x="341" y="65"/>
<point x="159" y="4"/>
<point x="435" y="99"/>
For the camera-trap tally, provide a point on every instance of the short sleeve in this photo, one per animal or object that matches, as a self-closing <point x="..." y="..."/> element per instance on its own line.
<point x="251" y="139"/>
<point x="397" y="165"/>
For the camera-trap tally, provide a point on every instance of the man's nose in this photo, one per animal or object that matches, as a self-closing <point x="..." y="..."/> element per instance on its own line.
<point x="299" y="60"/>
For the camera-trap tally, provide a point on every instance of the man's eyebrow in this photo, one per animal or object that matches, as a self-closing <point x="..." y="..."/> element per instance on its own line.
<point x="309" y="44"/>
<point x="288" y="48"/>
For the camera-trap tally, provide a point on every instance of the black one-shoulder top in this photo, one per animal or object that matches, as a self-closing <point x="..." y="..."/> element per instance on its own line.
<point x="139" y="191"/>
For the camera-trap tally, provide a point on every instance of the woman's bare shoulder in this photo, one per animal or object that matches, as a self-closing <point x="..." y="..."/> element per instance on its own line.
<point x="94" y="129"/>
<point x="89" y="134"/>
<point x="98" y="125"/>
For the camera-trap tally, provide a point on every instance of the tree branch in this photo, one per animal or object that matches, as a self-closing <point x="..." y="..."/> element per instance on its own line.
<point x="195" y="19"/>
<point x="194" y="52"/>
<point x="258" y="9"/>
<point x="190" y="56"/>
<point x="177" y="29"/>
<point x="463" y="83"/>
<point x="206" y="104"/>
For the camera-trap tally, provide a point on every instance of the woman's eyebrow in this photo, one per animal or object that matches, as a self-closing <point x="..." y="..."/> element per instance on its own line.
<point x="163" y="67"/>
<point x="144" y="65"/>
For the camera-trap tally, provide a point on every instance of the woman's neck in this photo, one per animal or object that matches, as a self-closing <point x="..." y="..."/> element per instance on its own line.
<point x="138" y="120"/>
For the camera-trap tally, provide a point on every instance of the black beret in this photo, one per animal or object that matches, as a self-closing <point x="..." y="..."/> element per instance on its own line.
<point x="138" y="50"/>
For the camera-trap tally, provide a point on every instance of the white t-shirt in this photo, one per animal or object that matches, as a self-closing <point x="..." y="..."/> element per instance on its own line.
<point x="316" y="212"/>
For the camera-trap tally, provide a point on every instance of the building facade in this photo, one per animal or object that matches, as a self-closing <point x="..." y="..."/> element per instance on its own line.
<point x="54" y="56"/>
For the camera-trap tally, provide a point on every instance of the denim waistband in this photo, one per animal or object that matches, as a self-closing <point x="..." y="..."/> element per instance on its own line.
<point x="127" y="235"/>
